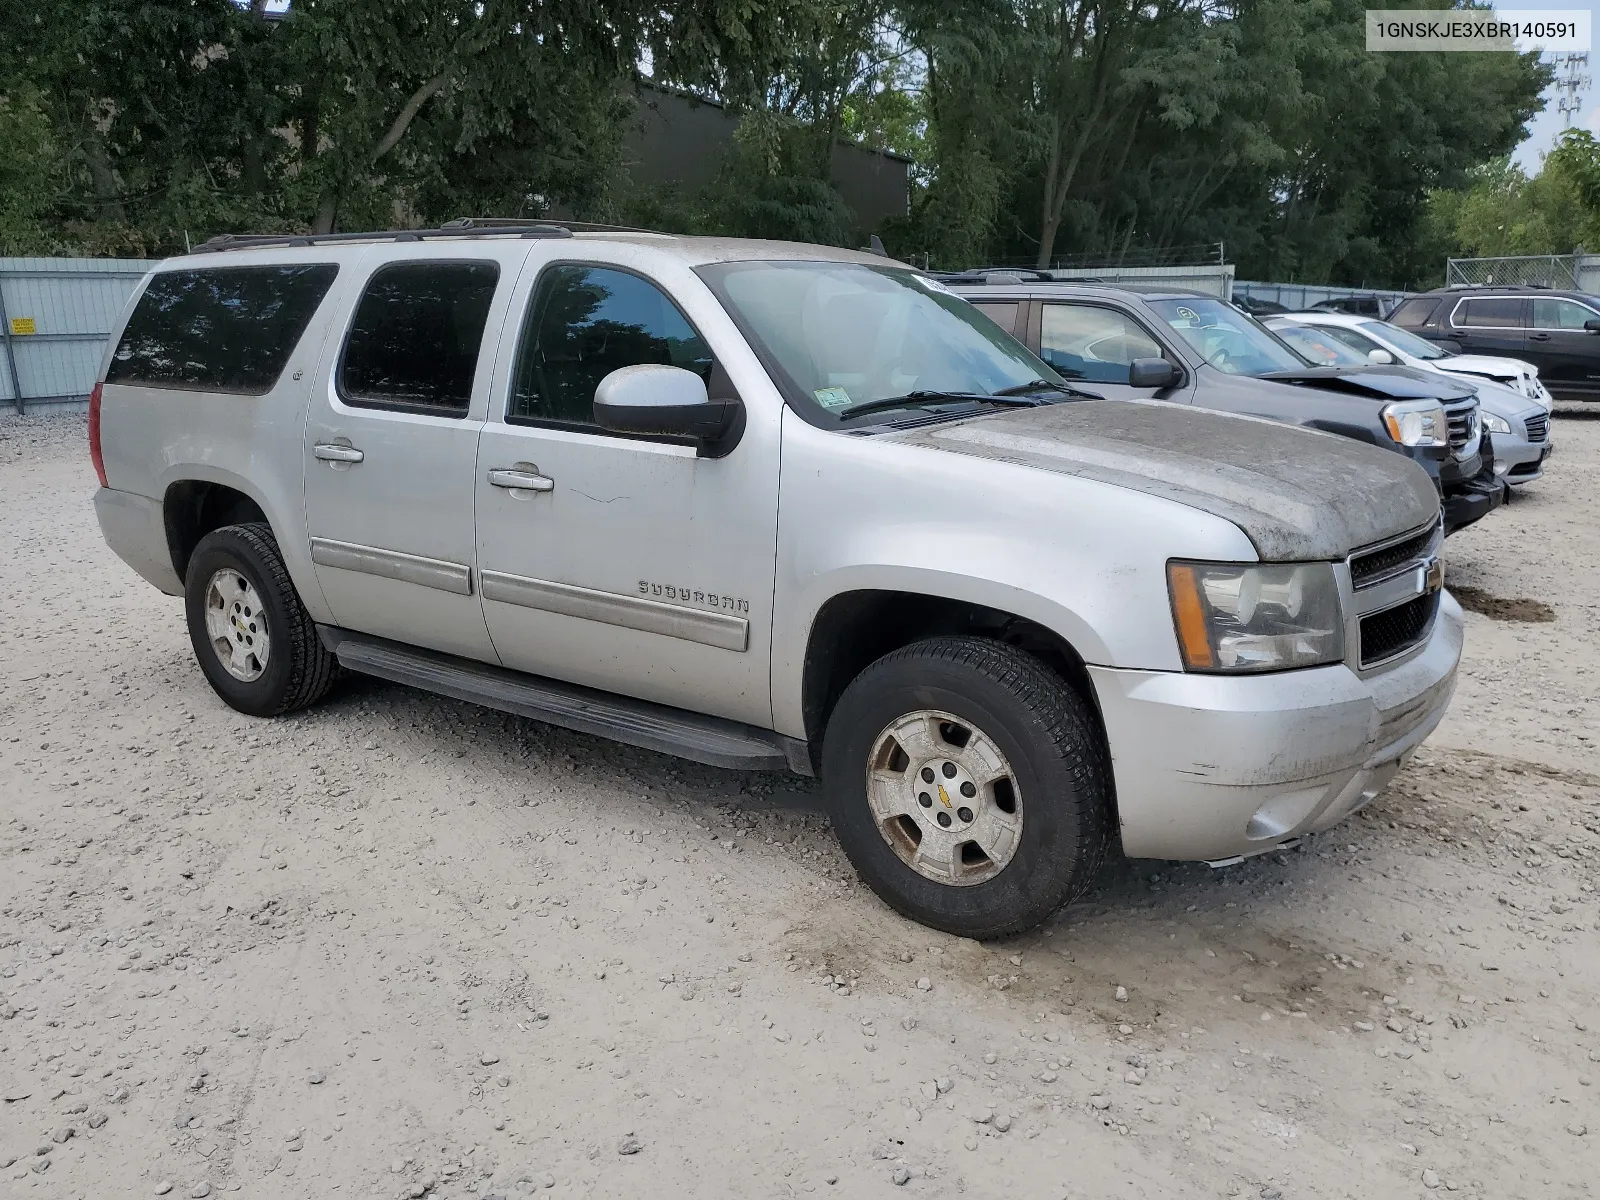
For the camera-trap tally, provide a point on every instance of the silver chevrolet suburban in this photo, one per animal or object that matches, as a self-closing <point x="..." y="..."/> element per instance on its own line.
<point x="765" y="505"/>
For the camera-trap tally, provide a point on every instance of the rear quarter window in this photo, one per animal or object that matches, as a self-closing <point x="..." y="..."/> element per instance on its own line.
<point x="1415" y="312"/>
<point x="219" y="329"/>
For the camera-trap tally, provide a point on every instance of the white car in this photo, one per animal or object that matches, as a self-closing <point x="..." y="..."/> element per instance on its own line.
<point x="1514" y="405"/>
<point x="1409" y="350"/>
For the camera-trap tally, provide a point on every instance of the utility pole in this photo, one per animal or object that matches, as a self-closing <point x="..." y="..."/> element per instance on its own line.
<point x="1571" y="82"/>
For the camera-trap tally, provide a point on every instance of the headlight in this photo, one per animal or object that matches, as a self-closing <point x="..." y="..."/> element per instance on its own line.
<point x="1417" y="423"/>
<point x="1495" y="424"/>
<point x="1271" y="617"/>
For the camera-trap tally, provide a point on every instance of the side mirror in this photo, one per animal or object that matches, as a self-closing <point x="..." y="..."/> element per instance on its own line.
<point x="1592" y="325"/>
<point x="1151" y="373"/>
<point x="1382" y="357"/>
<point x="661" y="401"/>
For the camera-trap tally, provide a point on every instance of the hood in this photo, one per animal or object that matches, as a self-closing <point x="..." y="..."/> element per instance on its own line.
<point x="1484" y="364"/>
<point x="1298" y="494"/>
<point x="1380" y="383"/>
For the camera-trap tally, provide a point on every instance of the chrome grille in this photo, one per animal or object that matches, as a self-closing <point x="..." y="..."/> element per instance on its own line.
<point x="1394" y="631"/>
<point x="1463" y="422"/>
<point x="1538" y="427"/>
<point x="1396" y="592"/>
<point x="1372" y="566"/>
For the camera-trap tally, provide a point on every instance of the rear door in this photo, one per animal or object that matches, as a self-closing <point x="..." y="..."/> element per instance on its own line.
<point x="391" y="441"/>
<point x="1489" y="325"/>
<point x="1567" y="355"/>
<point x="1095" y="344"/>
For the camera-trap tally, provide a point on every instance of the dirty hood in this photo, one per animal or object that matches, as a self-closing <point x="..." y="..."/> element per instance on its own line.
<point x="1298" y="494"/>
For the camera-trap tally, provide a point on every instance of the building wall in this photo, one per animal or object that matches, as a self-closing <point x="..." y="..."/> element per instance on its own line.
<point x="57" y="314"/>
<point x="683" y="141"/>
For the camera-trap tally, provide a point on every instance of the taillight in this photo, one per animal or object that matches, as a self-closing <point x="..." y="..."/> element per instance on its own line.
<point x="94" y="435"/>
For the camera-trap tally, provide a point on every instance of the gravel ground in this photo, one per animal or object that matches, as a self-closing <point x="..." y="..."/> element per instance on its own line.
<point x="399" y="946"/>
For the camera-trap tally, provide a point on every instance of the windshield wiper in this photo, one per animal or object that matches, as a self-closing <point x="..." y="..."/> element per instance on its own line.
<point x="919" y="399"/>
<point x="1040" y="385"/>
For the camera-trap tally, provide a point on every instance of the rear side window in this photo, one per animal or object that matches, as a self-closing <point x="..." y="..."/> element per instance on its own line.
<point x="1491" y="312"/>
<point x="1002" y="312"/>
<point x="413" y="344"/>
<point x="219" y="329"/>
<point x="1414" y="312"/>
<point x="584" y="323"/>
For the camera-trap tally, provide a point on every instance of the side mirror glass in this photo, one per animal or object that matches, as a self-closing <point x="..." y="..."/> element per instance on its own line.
<point x="663" y="401"/>
<point x="1382" y="357"/>
<point x="1592" y="325"/>
<point x="1151" y="373"/>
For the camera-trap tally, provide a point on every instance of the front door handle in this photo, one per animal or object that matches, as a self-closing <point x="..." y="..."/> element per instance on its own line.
<point x="1538" y="337"/>
<point x="328" y="452"/>
<point x="522" y="481"/>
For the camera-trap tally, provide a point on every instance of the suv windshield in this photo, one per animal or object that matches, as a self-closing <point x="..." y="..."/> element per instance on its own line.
<point x="838" y="336"/>
<point x="1226" y="338"/>
<point x="1406" y="343"/>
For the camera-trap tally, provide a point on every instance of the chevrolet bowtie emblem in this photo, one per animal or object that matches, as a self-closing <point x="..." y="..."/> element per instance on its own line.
<point x="1433" y="577"/>
<point x="944" y="796"/>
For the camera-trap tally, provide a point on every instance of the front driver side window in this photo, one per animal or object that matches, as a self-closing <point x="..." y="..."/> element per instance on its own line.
<point x="582" y="324"/>
<point x="1092" y="344"/>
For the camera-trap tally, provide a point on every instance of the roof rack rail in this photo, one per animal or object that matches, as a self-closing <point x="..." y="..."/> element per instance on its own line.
<point x="453" y="229"/>
<point x="994" y="275"/>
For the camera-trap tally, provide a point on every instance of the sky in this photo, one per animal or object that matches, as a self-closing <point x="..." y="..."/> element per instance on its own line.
<point x="1544" y="128"/>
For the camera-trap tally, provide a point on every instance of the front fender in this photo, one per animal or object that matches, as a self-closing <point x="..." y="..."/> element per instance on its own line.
<point x="1084" y="559"/>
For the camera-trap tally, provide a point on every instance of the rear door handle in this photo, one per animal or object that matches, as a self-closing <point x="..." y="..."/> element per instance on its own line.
<point x="522" y="481"/>
<point x="328" y="452"/>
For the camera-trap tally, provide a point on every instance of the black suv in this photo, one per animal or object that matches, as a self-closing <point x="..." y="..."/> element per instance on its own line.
<point x="1130" y="343"/>
<point x="1558" y="332"/>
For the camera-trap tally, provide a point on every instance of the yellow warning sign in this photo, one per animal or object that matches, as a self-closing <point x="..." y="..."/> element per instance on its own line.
<point x="22" y="326"/>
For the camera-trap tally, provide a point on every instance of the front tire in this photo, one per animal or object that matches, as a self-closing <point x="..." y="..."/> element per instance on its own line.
<point x="253" y="639"/>
<point x="968" y="785"/>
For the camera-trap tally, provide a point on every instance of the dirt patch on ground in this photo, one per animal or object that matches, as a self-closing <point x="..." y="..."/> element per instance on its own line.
<point x="1520" y="608"/>
<point x="396" y="946"/>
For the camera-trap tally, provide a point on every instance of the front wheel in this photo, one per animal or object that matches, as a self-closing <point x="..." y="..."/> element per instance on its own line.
<point x="968" y="785"/>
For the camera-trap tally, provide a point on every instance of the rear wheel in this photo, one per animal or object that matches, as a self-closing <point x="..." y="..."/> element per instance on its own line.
<point x="252" y="637"/>
<point x="968" y="785"/>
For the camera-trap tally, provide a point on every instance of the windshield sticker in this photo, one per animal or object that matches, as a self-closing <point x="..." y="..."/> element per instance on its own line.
<point x="1188" y="314"/>
<point x="832" y="398"/>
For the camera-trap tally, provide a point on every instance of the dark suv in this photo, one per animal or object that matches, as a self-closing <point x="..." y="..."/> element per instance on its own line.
<point x="1558" y="332"/>
<point x="1130" y="343"/>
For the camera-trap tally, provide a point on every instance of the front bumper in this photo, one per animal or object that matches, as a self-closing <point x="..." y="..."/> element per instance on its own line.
<point x="1520" y="461"/>
<point x="1214" y="767"/>
<point x="1472" y="489"/>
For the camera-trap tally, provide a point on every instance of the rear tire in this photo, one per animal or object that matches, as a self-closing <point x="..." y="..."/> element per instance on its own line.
<point x="954" y="719"/>
<point x="253" y="639"/>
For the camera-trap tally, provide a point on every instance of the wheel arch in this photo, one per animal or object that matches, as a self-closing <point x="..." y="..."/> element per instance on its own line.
<point x="854" y="629"/>
<point x="192" y="508"/>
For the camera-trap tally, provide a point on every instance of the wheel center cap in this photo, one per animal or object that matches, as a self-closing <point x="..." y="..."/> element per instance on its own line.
<point x="946" y="793"/>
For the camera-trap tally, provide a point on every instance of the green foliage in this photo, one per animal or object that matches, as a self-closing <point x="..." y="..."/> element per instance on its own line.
<point x="1038" y="127"/>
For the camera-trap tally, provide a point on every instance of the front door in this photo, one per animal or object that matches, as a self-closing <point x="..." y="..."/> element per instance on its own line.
<point x="1567" y="354"/>
<point x="624" y="563"/>
<point x="1094" y="345"/>
<point x="391" y="444"/>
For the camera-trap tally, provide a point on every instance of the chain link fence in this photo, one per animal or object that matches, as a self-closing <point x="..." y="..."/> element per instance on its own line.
<point x="1558" y="271"/>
